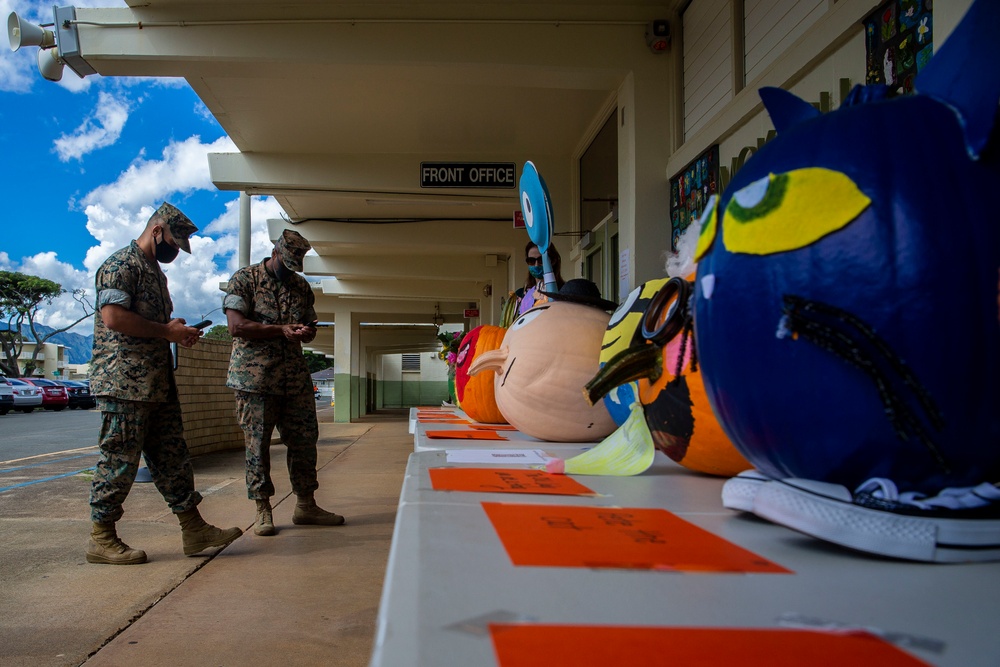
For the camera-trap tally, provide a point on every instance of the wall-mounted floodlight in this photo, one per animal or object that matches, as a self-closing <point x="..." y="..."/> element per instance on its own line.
<point x="21" y="33"/>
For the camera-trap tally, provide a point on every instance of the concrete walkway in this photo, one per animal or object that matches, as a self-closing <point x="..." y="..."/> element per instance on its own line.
<point x="307" y="596"/>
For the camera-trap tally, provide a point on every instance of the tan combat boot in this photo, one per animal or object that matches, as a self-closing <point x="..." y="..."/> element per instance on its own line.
<point x="307" y="513"/>
<point x="107" y="548"/>
<point x="199" y="535"/>
<point x="264" y="524"/>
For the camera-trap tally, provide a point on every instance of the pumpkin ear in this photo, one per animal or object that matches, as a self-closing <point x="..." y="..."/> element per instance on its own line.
<point x="785" y="109"/>
<point x="957" y="75"/>
<point x="489" y="361"/>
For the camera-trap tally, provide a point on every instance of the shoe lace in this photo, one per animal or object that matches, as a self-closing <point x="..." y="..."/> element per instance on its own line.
<point x="966" y="497"/>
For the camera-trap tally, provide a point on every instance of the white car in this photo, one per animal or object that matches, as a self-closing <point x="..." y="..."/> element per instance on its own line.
<point x="6" y="396"/>
<point x="27" y="396"/>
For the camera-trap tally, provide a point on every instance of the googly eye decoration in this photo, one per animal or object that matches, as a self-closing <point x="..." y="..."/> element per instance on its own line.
<point x="536" y="206"/>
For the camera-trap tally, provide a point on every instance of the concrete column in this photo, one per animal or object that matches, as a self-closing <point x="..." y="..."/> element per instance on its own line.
<point x="643" y="189"/>
<point x="244" y="229"/>
<point x="346" y="367"/>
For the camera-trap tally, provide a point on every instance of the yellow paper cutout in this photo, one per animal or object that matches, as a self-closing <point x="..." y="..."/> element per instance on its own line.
<point x="627" y="451"/>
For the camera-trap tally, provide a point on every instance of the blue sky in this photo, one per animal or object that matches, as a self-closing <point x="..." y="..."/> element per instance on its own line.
<point x="85" y="163"/>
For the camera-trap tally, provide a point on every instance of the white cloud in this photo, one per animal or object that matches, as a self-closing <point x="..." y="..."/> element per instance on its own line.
<point x="64" y="310"/>
<point x="117" y="213"/>
<point x="100" y="129"/>
<point x="182" y="169"/>
<point x="17" y="70"/>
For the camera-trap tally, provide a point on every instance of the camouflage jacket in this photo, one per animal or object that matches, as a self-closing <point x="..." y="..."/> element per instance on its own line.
<point x="274" y="365"/>
<point x="127" y="367"/>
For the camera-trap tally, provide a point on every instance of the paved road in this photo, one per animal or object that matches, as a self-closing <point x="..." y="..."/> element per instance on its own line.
<point x="45" y="446"/>
<point x="44" y="432"/>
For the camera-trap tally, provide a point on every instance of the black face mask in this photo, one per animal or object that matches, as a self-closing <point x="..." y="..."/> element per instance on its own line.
<point x="165" y="253"/>
<point x="281" y="272"/>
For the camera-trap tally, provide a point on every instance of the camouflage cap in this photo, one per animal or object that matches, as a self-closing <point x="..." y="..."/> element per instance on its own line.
<point x="180" y="225"/>
<point x="292" y="247"/>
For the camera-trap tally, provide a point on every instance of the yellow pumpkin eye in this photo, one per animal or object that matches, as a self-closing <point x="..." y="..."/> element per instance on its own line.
<point x="790" y="211"/>
<point x="708" y="228"/>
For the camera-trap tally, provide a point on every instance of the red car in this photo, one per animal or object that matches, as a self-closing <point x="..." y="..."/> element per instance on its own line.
<point x="54" y="395"/>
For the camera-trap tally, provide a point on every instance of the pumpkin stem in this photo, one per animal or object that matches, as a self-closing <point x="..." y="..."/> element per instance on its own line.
<point x="634" y="363"/>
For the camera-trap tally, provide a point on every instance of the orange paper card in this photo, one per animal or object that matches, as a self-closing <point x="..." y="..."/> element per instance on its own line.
<point x="501" y="480"/>
<point x="530" y="645"/>
<point x="494" y="427"/>
<point x="450" y="420"/>
<point x="606" y="537"/>
<point x="461" y="434"/>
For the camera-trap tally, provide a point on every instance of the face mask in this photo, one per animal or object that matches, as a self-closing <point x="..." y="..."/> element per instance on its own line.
<point x="165" y="253"/>
<point x="282" y="272"/>
<point x="536" y="271"/>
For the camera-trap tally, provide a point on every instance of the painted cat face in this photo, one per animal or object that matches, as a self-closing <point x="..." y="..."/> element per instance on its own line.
<point x="846" y="308"/>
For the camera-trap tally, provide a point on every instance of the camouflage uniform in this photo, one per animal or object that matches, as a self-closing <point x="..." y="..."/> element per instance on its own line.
<point x="133" y="380"/>
<point x="270" y="376"/>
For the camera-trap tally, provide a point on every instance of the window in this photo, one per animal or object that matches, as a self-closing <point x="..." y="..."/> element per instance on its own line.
<point x="599" y="176"/>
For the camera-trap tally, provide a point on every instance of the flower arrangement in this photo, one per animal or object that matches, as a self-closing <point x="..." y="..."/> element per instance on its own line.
<point x="449" y="348"/>
<point x="450" y="342"/>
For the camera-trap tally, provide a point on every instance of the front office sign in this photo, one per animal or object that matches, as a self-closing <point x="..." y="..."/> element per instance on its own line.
<point x="468" y="175"/>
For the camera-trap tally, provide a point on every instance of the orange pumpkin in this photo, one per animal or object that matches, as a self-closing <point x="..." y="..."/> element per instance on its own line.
<point x="706" y="448"/>
<point x="679" y="415"/>
<point x="475" y="393"/>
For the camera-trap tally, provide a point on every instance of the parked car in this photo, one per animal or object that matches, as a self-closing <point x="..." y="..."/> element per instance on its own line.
<point x="27" y="396"/>
<point x="6" y="396"/>
<point x="79" y="395"/>
<point x="54" y="395"/>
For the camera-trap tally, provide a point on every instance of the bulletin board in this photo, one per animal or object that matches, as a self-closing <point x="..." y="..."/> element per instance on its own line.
<point x="898" y="43"/>
<point x="690" y="190"/>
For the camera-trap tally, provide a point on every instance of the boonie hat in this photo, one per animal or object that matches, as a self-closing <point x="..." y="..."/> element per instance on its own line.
<point x="180" y="225"/>
<point x="582" y="291"/>
<point x="292" y="247"/>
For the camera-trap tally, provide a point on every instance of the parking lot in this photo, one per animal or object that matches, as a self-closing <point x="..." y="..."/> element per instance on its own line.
<point x="44" y="431"/>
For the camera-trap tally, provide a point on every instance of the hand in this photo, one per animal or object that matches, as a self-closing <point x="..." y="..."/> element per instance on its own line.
<point x="295" y="332"/>
<point x="191" y="340"/>
<point x="179" y="332"/>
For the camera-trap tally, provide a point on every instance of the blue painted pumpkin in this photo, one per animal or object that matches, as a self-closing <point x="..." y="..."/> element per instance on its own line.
<point x="846" y="310"/>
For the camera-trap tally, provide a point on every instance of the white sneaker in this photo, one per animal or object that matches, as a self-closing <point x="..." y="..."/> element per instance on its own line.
<point x="738" y="493"/>
<point x="957" y="525"/>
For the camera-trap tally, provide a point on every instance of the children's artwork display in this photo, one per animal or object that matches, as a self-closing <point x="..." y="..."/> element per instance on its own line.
<point x="898" y="43"/>
<point x="690" y="190"/>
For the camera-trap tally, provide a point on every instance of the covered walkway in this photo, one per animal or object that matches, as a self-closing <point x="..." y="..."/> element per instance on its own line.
<point x="307" y="596"/>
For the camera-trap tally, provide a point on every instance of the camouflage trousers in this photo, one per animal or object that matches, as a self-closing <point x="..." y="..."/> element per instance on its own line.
<point x="154" y="431"/>
<point x="294" y="415"/>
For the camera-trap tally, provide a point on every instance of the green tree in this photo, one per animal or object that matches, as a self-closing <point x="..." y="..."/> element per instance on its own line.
<point x="316" y="362"/>
<point x="218" y="332"/>
<point x="21" y="296"/>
